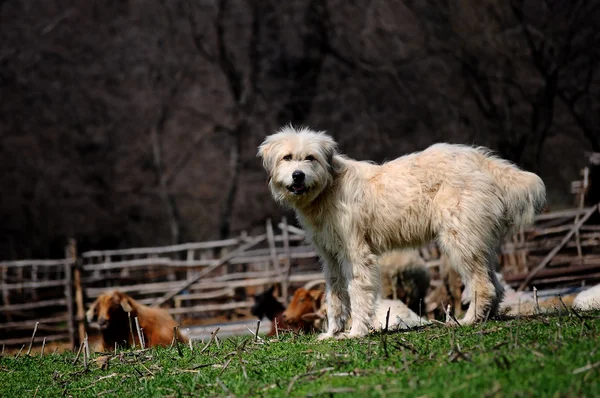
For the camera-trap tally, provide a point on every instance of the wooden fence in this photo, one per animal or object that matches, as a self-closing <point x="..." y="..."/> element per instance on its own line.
<point x="204" y="282"/>
<point x="559" y="248"/>
<point x="198" y="282"/>
<point x="36" y="291"/>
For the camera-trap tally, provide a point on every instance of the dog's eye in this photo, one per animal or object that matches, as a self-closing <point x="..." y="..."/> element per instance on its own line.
<point x="287" y="157"/>
<point x="310" y="158"/>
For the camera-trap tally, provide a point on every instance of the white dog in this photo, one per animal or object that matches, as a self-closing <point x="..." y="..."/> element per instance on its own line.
<point x="354" y="211"/>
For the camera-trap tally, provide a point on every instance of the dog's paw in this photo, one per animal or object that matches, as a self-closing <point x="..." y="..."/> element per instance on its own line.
<point x="324" y="336"/>
<point x="342" y="336"/>
<point x="452" y="324"/>
<point x="350" y="335"/>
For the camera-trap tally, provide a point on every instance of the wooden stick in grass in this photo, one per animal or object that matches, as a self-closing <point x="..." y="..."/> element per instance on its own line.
<point x="574" y="311"/>
<point x="78" y="353"/>
<point x="176" y="340"/>
<point x="274" y="320"/>
<point x="174" y="337"/>
<point x="137" y="326"/>
<point x="131" y="330"/>
<point x="535" y="298"/>
<point x="383" y="338"/>
<point x="225" y="366"/>
<point x="252" y="332"/>
<point x="387" y="319"/>
<point x="86" y="345"/>
<point x="1" y="355"/>
<point x="450" y="315"/>
<point x="257" y="327"/>
<point x="85" y="357"/>
<point x="32" y="338"/>
<point x="43" y="345"/>
<point x="242" y="365"/>
<point x="19" y="353"/>
<point x="212" y="337"/>
<point x="143" y="338"/>
<point x="224" y="387"/>
<point x="447" y="311"/>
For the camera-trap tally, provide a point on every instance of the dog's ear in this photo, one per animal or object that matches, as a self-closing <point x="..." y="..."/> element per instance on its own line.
<point x="265" y="152"/>
<point x="329" y="149"/>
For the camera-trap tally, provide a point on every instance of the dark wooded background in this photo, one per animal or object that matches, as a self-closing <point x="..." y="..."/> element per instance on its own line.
<point x="128" y="123"/>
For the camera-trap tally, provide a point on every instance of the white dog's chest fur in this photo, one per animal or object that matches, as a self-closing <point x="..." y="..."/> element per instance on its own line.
<point x="326" y="235"/>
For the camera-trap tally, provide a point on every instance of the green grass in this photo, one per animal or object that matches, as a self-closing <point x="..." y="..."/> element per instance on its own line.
<point x="551" y="356"/>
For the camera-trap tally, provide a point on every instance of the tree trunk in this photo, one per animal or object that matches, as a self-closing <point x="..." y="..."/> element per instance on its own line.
<point x="163" y="190"/>
<point x="235" y="165"/>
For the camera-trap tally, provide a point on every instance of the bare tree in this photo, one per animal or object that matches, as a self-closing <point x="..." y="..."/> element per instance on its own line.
<point x="513" y="64"/>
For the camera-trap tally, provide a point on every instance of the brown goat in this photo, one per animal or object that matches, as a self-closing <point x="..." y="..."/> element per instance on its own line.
<point x="305" y="303"/>
<point x="110" y="314"/>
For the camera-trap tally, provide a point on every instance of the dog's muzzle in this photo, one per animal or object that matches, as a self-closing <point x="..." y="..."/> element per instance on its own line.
<point x="298" y="187"/>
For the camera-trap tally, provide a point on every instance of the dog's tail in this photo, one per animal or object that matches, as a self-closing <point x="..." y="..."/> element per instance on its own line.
<point x="523" y="192"/>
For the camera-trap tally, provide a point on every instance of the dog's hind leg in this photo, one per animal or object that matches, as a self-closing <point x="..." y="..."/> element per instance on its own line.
<point x="493" y="262"/>
<point x="474" y="263"/>
<point x="337" y="298"/>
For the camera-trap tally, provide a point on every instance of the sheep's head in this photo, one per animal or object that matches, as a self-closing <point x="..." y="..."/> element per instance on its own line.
<point x="109" y="305"/>
<point x="303" y="303"/>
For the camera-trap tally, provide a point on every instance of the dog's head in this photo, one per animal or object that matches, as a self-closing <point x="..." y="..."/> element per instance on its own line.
<point x="299" y="163"/>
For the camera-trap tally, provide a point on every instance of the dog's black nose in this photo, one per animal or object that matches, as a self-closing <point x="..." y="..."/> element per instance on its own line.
<point x="298" y="176"/>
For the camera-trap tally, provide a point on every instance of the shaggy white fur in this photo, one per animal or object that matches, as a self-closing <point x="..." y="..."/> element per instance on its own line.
<point x="588" y="299"/>
<point x="401" y="317"/>
<point x="353" y="211"/>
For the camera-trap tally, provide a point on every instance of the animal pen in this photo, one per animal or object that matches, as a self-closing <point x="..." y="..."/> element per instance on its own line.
<point x="208" y="282"/>
<point x="200" y="282"/>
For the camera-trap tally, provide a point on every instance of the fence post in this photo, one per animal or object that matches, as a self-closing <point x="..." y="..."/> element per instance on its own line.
<point x="78" y="290"/>
<point x="273" y="254"/>
<point x="69" y="296"/>
<point x="287" y="260"/>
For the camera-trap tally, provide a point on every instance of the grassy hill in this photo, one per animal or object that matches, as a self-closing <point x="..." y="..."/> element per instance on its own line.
<point x="552" y="355"/>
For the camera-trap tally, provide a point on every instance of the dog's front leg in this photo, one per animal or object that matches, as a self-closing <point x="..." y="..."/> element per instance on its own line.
<point x="337" y="298"/>
<point x="364" y="287"/>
